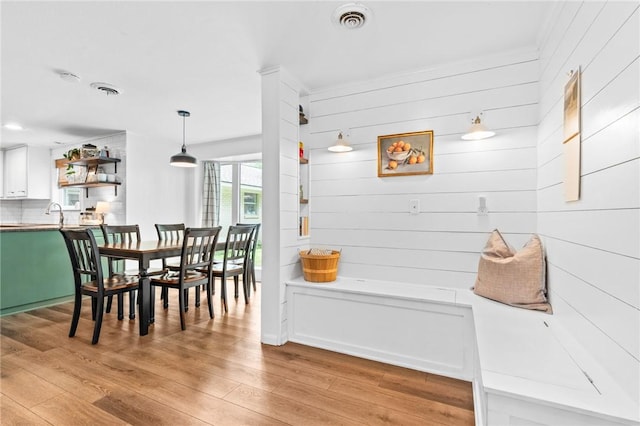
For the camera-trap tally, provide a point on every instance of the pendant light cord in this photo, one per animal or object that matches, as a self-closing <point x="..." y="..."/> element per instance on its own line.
<point x="184" y="146"/>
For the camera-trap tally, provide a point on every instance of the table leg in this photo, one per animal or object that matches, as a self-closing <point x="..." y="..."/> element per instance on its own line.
<point x="144" y="303"/>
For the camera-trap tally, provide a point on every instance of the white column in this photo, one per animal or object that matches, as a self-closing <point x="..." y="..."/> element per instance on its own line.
<point x="280" y="95"/>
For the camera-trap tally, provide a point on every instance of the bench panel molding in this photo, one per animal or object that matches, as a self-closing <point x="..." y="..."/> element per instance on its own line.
<point x="374" y="326"/>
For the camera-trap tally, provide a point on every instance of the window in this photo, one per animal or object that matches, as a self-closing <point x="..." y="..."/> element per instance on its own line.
<point x="241" y="197"/>
<point x="70" y="198"/>
<point x="250" y="205"/>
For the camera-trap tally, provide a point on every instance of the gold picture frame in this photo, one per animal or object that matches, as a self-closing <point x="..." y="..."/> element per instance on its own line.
<point x="572" y="107"/>
<point x="405" y="154"/>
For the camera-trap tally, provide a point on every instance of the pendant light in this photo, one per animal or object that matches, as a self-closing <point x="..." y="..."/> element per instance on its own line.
<point x="477" y="131"/>
<point x="341" y="145"/>
<point x="182" y="159"/>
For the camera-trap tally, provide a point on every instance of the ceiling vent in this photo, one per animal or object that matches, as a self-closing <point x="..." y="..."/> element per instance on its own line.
<point x="108" y="89"/>
<point x="69" y="77"/>
<point x="351" y="16"/>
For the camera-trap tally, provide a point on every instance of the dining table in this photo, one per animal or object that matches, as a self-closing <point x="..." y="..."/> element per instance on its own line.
<point x="144" y="252"/>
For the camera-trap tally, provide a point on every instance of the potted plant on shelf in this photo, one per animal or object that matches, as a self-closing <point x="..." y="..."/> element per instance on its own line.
<point x="71" y="155"/>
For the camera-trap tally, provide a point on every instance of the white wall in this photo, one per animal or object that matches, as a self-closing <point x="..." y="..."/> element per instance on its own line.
<point x="593" y="245"/>
<point x="156" y="191"/>
<point x="227" y="148"/>
<point x="368" y="217"/>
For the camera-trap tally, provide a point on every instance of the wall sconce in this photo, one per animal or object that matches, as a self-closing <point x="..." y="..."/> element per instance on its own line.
<point x="341" y="145"/>
<point x="477" y="131"/>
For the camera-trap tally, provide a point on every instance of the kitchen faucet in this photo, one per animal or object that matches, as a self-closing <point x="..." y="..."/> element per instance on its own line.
<point x="51" y="204"/>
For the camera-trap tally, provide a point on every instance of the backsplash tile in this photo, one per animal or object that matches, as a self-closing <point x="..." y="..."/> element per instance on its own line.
<point x="11" y="211"/>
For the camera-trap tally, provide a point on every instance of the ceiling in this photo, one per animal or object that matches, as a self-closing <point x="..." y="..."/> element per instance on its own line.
<point x="204" y="57"/>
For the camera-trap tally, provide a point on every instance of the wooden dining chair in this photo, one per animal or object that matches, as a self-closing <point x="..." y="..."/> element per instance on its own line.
<point x="252" y="253"/>
<point x="195" y="269"/>
<point x="172" y="232"/>
<point x="89" y="279"/>
<point x="126" y="234"/>
<point x="235" y="261"/>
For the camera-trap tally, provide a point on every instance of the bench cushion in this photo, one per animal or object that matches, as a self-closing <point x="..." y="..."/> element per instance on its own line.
<point x="516" y="278"/>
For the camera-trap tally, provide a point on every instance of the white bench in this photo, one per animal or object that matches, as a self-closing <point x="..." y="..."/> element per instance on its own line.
<point x="525" y="368"/>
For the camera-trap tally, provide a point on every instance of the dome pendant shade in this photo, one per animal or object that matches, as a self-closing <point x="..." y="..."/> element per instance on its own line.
<point x="341" y="145"/>
<point x="477" y="131"/>
<point x="182" y="159"/>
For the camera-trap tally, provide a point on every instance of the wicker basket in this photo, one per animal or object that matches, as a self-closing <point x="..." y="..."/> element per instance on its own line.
<point x="320" y="268"/>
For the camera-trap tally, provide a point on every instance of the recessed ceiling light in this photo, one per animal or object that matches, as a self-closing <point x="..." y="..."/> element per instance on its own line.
<point x="13" y="126"/>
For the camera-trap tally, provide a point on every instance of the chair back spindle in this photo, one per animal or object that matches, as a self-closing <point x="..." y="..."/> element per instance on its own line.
<point x="83" y="253"/>
<point x="119" y="234"/>
<point x="235" y="260"/>
<point x="252" y="252"/>
<point x="170" y="232"/>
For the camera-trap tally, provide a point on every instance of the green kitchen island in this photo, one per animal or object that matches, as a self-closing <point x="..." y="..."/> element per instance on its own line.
<point x="35" y="269"/>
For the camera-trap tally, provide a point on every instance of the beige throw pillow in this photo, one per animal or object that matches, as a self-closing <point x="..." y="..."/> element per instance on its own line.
<point x="514" y="278"/>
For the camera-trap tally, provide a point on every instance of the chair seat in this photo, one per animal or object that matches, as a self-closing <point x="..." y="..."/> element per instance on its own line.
<point x="173" y="278"/>
<point x="232" y="268"/>
<point x="113" y="283"/>
<point x="173" y="266"/>
<point x="136" y="273"/>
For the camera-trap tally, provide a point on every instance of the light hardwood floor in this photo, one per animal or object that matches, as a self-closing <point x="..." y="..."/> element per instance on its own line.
<point x="215" y="372"/>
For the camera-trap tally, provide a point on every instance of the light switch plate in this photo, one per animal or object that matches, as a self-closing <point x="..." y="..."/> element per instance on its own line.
<point x="482" y="206"/>
<point x="414" y="206"/>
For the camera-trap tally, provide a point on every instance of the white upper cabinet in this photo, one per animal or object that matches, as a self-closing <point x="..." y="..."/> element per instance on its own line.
<point x="27" y="173"/>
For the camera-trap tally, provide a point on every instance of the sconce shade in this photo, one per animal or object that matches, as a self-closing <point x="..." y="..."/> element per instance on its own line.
<point x="477" y="131"/>
<point x="182" y="159"/>
<point x="341" y="145"/>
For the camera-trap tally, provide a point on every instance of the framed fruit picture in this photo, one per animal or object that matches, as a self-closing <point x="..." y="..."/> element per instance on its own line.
<point x="405" y="154"/>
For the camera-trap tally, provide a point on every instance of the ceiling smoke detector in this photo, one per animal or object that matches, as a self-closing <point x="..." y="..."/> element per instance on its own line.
<point x="351" y="16"/>
<point x="108" y="89"/>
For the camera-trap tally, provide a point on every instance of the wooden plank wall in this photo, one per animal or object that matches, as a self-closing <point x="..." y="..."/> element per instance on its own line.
<point x="593" y="245"/>
<point x="352" y="209"/>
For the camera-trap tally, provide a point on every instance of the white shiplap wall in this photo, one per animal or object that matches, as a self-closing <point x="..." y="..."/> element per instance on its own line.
<point x="593" y="245"/>
<point x="280" y="100"/>
<point x="368" y="217"/>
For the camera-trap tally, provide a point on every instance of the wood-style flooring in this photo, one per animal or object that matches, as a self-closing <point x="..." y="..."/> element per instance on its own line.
<point x="216" y="372"/>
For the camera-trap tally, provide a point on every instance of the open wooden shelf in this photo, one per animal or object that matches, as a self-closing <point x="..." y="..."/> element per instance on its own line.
<point x="89" y="163"/>
<point x="87" y="185"/>
<point x="92" y="161"/>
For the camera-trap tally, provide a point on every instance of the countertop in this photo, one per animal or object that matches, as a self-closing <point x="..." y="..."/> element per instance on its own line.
<point x="29" y="227"/>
